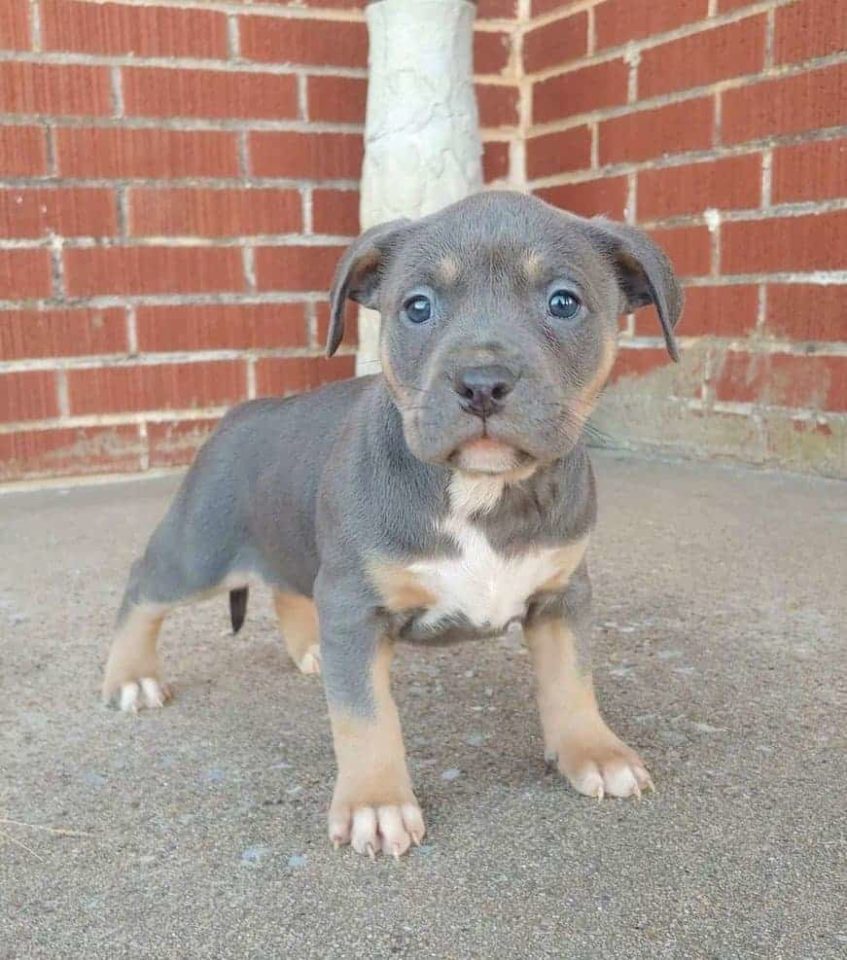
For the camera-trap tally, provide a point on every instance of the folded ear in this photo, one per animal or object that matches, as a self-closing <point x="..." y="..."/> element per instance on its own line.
<point x="358" y="275"/>
<point x="645" y="274"/>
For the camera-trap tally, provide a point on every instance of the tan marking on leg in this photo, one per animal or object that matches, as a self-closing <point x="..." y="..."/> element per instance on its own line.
<point x="566" y="559"/>
<point x="399" y="588"/>
<point x="133" y="664"/>
<point x="298" y="622"/>
<point x="373" y="805"/>
<point x="595" y="761"/>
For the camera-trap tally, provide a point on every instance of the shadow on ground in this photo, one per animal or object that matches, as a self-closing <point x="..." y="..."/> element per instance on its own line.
<point x="721" y="604"/>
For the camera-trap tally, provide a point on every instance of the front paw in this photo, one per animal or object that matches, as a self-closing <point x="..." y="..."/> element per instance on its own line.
<point x="370" y="828"/>
<point x="598" y="764"/>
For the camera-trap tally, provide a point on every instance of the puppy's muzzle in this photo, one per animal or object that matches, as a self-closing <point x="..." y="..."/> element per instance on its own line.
<point x="483" y="390"/>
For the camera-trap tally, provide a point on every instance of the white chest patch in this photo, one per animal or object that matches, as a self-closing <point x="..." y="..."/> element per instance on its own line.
<point x="481" y="584"/>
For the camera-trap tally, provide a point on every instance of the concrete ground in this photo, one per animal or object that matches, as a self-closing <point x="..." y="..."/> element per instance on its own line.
<point x="721" y="599"/>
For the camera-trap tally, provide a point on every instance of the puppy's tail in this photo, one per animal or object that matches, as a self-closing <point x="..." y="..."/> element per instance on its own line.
<point x="237" y="608"/>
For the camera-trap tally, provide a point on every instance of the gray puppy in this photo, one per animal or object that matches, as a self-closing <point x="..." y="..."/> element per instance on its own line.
<point x="449" y="497"/>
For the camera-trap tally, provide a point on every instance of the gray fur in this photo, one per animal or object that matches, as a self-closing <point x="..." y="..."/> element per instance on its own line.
<point x="304" y="493"/>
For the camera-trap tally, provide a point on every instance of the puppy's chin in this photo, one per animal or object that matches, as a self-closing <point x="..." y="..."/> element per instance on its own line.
<point x="487" y="456"/>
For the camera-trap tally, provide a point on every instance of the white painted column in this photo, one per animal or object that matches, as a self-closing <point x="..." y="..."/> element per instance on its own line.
<point x="422" y="145"/>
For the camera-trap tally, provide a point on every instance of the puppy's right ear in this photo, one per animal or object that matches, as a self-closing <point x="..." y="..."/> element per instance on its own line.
<point x="358" y="275"/>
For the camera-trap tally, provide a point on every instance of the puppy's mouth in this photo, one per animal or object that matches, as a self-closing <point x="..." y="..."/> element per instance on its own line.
<point x="488" y="455"/>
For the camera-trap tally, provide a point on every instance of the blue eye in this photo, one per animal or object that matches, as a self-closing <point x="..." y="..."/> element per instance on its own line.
<point x="563" y="304"/>
<point x="418" y="308"/>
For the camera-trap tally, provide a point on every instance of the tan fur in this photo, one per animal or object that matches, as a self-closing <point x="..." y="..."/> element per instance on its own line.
<point x="566" y="559"/>
<point x="133" y="655"/>
<point x="399" y="588"/>
<point x="370" y="752"/>
<point x="594" y="760"/>
<point x="587" y="397"/>
<point x="298" y="622"/>
<point x="447" y="270"/>
<point x="532" y="265"/>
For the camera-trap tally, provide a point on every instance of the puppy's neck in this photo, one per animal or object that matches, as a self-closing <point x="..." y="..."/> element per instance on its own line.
<point x="474" y="493"/>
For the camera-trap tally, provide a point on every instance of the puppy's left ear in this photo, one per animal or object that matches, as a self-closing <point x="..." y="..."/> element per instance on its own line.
<point x="645" y="274"/>
<point x="358" y="274"/>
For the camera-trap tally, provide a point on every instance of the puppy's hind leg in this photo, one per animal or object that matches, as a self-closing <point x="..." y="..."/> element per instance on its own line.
<point x="133" y="673"/>
<point x="298" y="621"/>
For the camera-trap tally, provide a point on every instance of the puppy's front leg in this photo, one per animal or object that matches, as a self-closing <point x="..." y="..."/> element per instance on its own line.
<point x="593" y="759"/>
<point x="373" y="806"/>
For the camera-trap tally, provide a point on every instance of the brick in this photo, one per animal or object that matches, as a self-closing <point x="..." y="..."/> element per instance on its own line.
<point x="491" y="51"/>
<point x="209" y="93"/>
<point x="335" y="212"/>
<point x="175" y="444"/>
<point x="553" y="153"/>
<point x="14" y="25"/>
<point x="814" y="242"/>
<point x="39" y="88"/>
<point x="149" y="31"/>
<point x="589" y="198"/>
<point x="729" y="311"/>
<point x="540" y="7"/>
<point x="28" y="395"/>
<point x="733" y="183"/>
<point x="318" y="156"/>
<point x="296" y="267"/>
<point x="783" y="380"/>
<point x="619" y="21"/>
<point x="286" y="375"/>
<point x="76" y="212"/>
<point x="324" y="43"/>
<point x="810" y="171"/>
<point x="703" y="58"/>
<point x="267" y="326"/>
<point x="214" y="213"/>
<point x="26" y="334"/>
<point x="806" y="101"/>
<point x="495" y="160"/>
<point x="689" y="249"/>
<point x="323" y="4"/>
<point x="813" y="28"/>
<point x="675" y="128"/>
<point x="497" y="9"/>
<point x="638" y="362"/>
<point x="724" y="5"/>
<point x="580" y="91"/>
<point x="70" y="451"/>
<point x="140" y="270"/>
<point x="351" y="323"/>
<point x="806" y="311"/>
<point x="166" y="386"/>
<point x="145" y="153"/>
<point x="554" y="44"/>
<point x="23" y="151"/>
<point x="498" y="105"/>
<point x="24" y="274"/>
<point x="337" y="99"/>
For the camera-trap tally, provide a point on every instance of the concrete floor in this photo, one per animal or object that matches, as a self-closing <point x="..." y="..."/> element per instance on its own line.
<point x="721" y="600"/>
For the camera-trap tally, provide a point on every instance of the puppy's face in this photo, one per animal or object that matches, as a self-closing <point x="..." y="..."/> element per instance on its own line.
<point x="499" y="323"/>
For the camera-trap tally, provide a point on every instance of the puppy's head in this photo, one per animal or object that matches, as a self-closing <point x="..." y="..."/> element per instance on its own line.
<point x="499" y="323"/>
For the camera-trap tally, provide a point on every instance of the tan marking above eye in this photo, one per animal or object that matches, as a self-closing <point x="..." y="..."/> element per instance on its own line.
<point x="532" y="265"/>
<point x="399" y="588"/>
<point x="447" y="270"/>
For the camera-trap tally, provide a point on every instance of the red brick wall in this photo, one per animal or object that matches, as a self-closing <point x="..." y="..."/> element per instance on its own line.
<point x="176" y="183"/>
<point x="718" y="125"/>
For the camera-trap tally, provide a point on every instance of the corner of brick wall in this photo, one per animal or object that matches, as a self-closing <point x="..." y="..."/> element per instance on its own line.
<point x="176" y="184"/>
<point x="719" y="126"/>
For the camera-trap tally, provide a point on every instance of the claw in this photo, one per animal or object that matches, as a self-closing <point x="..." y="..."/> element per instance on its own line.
<point x="336" y="843"/>
<point x="396" y="851"/>
<point x="371" y="852"/>
<point x="416" y="838"/>
<point x="600" y="793"/>
<point x="637" y="791"/>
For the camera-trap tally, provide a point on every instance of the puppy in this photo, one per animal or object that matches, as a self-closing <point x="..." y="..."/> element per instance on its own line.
<point x="449" y="497"/>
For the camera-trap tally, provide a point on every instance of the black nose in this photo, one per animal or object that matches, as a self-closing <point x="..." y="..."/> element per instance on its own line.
<point x="483" y="389"/>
